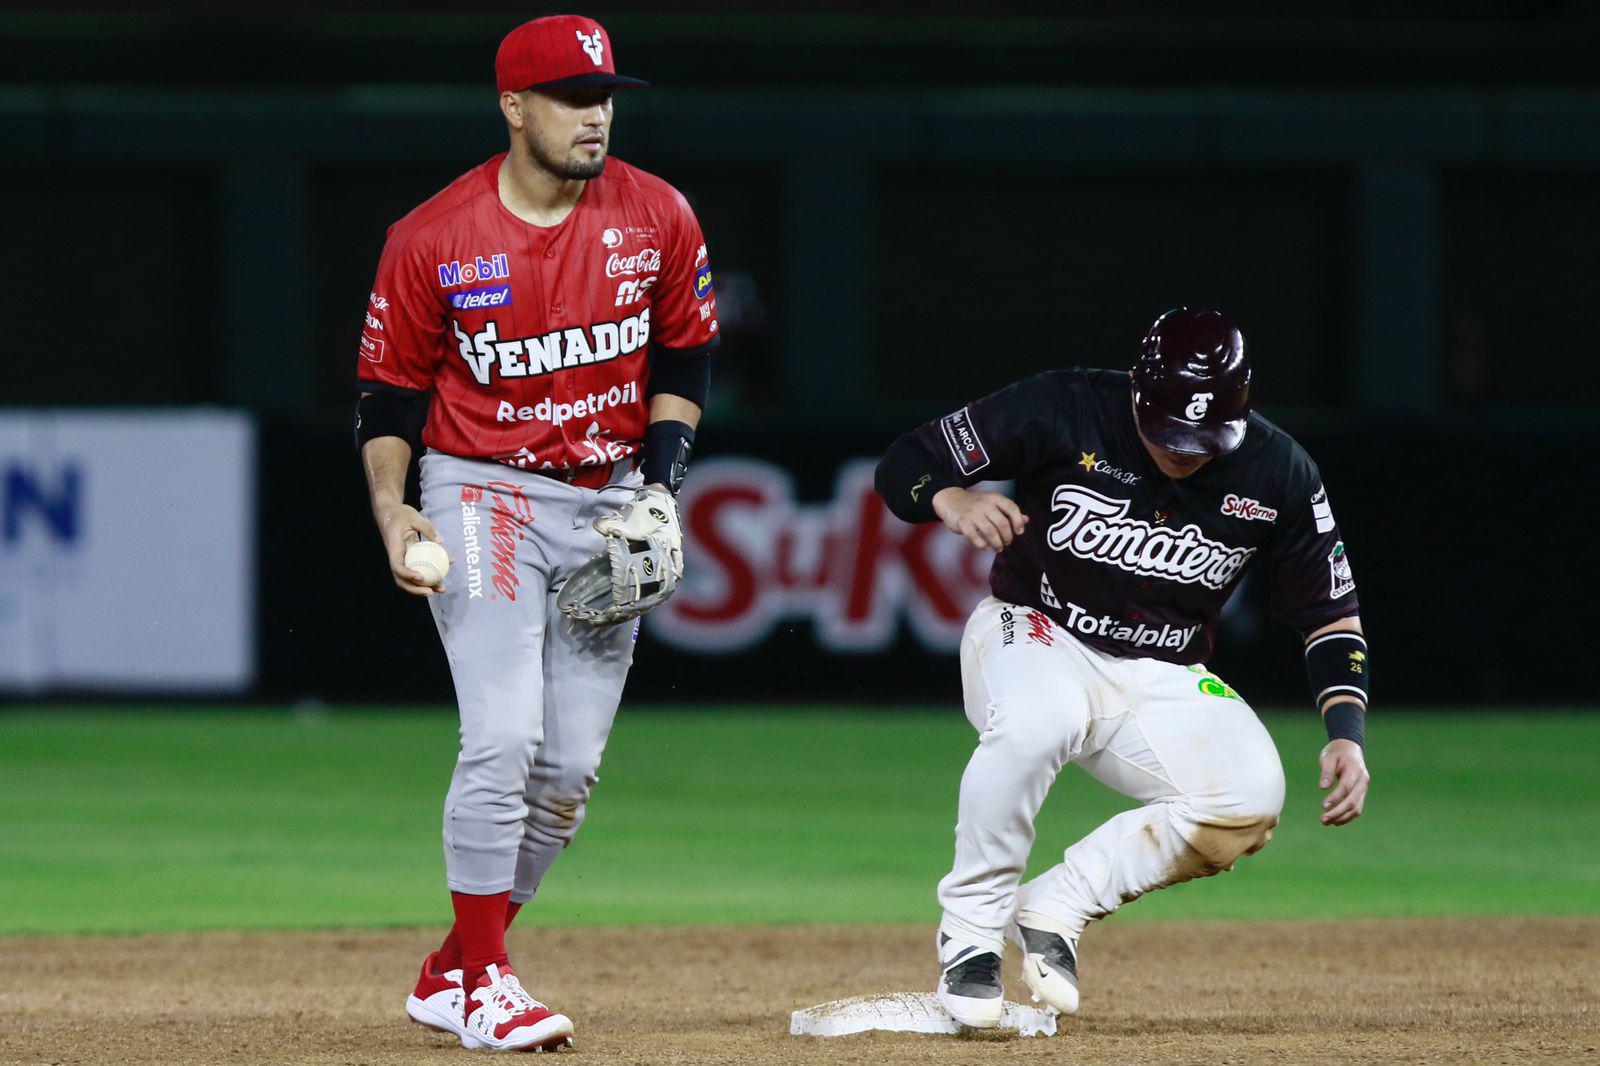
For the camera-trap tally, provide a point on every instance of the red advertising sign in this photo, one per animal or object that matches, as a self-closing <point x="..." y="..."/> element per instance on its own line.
<point x="756" y="557"/>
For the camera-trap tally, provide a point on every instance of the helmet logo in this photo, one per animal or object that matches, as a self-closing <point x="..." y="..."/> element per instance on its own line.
<point x="1197" y="406"/>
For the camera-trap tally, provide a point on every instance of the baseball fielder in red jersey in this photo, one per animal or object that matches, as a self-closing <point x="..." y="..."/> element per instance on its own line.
<point x="541" y="331"/>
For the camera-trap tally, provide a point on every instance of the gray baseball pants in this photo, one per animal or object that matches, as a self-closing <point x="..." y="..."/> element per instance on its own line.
<point x="537" y="691"/>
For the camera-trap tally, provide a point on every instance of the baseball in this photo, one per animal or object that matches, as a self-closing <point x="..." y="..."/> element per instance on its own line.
<point x="430" y="560"/>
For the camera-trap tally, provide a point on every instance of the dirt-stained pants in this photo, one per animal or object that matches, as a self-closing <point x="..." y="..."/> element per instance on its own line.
<point x="1174" y="737"/>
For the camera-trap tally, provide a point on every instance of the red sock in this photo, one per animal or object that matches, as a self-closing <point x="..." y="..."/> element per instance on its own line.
<point x="481" y="929"/>
<point x="449" y="954"/>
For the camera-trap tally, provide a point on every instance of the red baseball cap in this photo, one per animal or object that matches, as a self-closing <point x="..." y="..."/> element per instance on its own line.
<point x="558" y="52"/>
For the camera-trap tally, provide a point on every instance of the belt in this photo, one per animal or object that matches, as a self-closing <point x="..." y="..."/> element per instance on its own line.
<point x="585" y="477"/>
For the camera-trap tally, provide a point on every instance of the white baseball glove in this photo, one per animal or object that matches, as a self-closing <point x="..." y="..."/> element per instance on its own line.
<point x="640" y="568"/>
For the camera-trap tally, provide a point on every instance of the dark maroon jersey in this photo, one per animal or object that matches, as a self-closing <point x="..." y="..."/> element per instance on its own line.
<point x="1132" y="562"/>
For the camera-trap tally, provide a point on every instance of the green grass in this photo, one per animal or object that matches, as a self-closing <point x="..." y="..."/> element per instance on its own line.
<point x="207" y="819"/>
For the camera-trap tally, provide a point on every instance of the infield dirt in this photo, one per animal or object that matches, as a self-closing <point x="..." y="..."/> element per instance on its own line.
<point x="1367" y="991"/>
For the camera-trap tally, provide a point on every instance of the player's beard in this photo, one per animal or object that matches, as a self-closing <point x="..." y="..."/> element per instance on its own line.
<point x="567" y="167"/>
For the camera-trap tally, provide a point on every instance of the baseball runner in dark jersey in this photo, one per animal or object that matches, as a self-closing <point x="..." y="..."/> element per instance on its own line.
<point x="1141" y="499"/>
<point x="543" y="328"/>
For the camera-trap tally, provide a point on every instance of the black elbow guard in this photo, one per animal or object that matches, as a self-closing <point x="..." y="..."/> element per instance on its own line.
<point x="1337" y="665"/>
<point x="386" y="411"/>
<point x="682" y="372"/>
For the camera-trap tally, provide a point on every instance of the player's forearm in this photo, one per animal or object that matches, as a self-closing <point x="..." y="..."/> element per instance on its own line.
<point x="385" y="460"/>
<point x="666" y="407"/>
<point x="668" y="440"/>
<point x="1339" y="672"/>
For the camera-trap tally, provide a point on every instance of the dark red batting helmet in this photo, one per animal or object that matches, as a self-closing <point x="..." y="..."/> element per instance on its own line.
<point x="1191" y="385"/>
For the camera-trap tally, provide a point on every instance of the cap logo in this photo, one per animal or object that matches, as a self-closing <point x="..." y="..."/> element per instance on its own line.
<point x="1197" y="406"/>
<point x="591" y="44"/>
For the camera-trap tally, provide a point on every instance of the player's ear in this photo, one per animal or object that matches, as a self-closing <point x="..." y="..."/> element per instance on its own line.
<point x="511" y="108"/>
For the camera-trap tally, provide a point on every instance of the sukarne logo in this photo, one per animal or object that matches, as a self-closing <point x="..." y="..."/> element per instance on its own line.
<point x="1247" y="509"/>
<point x="843" y="564"/>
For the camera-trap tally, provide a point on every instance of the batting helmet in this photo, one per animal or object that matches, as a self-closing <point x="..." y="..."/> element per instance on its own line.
<point x="1191" y="385"/>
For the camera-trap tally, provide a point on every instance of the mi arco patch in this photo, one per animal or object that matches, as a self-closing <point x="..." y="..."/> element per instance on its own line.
<point x="1212" y="685"/>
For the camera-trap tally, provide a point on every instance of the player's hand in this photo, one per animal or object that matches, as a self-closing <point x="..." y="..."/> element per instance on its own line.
<point x="1345" y="770"/>
<point x="987" y="519"/>
<point x="400" y="526"/>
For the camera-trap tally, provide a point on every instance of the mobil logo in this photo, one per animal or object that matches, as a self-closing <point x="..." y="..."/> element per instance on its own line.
<point x="457" y="272"/>
<point x="49" y="502"/>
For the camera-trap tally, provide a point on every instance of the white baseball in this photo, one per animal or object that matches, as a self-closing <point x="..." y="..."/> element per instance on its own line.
<point x="430" y="560"/>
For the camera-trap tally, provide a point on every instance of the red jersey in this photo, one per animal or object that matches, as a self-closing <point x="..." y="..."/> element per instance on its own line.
<point x="533" y="339"/>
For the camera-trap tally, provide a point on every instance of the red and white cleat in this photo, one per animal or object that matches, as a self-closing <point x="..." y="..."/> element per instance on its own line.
<point x="501" y="1016"/>
<point x="438" y="1001"/>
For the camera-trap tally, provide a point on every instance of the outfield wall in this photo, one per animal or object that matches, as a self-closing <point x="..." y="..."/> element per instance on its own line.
<point x="127" y="551"/>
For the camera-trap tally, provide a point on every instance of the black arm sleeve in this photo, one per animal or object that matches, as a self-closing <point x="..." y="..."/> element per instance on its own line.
<point x="907" y="477"/>
<point x="996" y="438"/>
<point x="684" y="372"/>
<point x="390" y="411"/>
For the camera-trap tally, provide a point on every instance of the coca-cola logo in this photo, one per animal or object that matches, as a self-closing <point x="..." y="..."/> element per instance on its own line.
<point x="641" y="262"/>
<point x="755" y="557"/>
<point x="1250" y="510"/>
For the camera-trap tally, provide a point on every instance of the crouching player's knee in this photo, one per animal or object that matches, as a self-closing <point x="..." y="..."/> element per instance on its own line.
<point x="1215" y="844"/>
<point x="1219" y="834"/>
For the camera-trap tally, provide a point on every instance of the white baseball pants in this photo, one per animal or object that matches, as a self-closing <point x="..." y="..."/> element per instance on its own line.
<point x="1173" y="737"/>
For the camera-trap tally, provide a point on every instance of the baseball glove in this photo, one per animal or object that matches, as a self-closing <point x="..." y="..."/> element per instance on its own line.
<point x="640" y="567"/>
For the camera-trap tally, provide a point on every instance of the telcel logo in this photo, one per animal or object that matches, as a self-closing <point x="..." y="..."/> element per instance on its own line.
<point x="472" y="299"/>
<point x="480" y="269"/>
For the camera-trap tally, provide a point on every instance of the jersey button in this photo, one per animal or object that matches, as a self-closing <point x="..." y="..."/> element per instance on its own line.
<point x="550" y="253"/>
<point x="556" y="309"/>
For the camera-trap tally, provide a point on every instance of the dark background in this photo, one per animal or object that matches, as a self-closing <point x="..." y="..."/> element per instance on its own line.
<point x="907" y="206"/>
